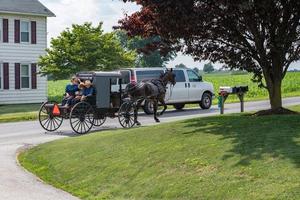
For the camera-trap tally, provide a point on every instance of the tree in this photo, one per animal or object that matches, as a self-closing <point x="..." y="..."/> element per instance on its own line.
<point x="145" y="58"/>
<point x="181" y="65"/>
<point x="84" y="48"/>
<point x="208" y="68"/>
<point x="261" y="37"/>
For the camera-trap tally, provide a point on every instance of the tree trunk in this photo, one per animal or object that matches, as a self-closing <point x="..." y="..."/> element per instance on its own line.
<point x="274" y="90"/>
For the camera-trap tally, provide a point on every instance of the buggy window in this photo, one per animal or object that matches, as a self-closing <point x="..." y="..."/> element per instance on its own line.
<point x="113" y="81"/>
<point x="125" y="77"/>
<point x="148" y="75"/>
<point x="179" y="76"/>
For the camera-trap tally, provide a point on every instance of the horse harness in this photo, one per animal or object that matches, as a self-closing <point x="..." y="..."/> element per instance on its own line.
<point x="160" y="85"/>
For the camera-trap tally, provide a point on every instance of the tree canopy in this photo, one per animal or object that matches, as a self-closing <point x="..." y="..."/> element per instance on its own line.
<point x="208" y="68"/>
<point x="145" y="57"/>
<point x="261" y="37"/>
<point x="84" y="48"/>
<point x="181" y="65"/>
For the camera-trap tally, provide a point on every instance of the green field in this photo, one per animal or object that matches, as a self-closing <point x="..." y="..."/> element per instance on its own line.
<point x="56" y="89"/>
<point x="291" y="87"/>
<point x="222" y="157"/>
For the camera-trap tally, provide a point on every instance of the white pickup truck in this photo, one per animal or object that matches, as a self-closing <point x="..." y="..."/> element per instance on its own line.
<point x="189" y="88"/>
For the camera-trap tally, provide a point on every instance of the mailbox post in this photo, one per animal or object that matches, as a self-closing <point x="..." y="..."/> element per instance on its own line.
<point x="224" y="92"/>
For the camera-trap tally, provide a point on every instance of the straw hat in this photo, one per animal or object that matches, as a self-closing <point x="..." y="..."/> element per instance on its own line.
<point x="81" y="86"/>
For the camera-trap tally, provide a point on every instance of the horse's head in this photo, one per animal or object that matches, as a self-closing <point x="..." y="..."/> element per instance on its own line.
<point x="169" y="76"/>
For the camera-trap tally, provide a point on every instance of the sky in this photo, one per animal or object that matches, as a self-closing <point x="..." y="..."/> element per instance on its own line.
<point x="70" y="12"/>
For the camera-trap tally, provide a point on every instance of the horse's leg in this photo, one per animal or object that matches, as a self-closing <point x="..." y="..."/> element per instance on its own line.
<point x="136" y="109"/>
<point x="155" y="105"/>
<point x="162" y="101"/>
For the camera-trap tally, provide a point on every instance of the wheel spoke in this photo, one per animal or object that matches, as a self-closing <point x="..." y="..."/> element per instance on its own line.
<point x="87" y="123"/>
<point x="132" y="121"/>
<point x="55" y="122"/>
<point x="77" y="124"/>
<point x="51" y="124"/>
<point x="44" y="111"/>
<point x="81" y="127"/>
<point x="84" y="126"/>
<point x="129" y="122"/>
<point x="44" y="118"/>
<point x="47" y="122"/>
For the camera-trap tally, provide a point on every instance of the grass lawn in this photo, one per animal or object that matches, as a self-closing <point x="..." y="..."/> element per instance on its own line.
<point x="222" y="157"/>
<point x="22" y="112"/>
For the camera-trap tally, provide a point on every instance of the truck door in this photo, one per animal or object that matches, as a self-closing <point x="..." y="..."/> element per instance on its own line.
<point x="180" y="91"/>
<point x="194" y="86"/>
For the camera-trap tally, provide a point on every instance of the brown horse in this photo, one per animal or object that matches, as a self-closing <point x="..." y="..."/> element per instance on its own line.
<point x="152" y="90"/>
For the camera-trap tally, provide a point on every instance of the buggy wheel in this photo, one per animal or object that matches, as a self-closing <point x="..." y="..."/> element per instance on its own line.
<point x="47" y="120"/>
<point x="126" y="115"/>
<point x="99" y="122"/>
<point x="81" y="118"/>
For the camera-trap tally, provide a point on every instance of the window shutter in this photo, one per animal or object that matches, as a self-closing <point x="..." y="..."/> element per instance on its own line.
<point x="5" y="76"/>
<point x="17" y="31"/>
<point x="5" y="30"/>
<point x="17" y="76"/>
<point x="33" y="32"/>
<point x="33" y="76"/>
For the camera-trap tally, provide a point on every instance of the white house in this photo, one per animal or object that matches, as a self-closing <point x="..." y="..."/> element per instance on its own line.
<point x="23" y="39"/>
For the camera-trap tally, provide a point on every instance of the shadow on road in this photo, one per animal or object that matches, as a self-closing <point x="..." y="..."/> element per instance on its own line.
<point x="185" y="112"/>
<point x="253" y="137"/>
<point x="70" y="133"/>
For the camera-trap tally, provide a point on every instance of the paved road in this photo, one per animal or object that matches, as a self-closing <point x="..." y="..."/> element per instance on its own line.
<point x="15" y="184"/>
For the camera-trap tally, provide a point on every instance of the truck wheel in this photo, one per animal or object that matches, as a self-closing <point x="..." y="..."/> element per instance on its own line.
<point x="206" y="101"/>
<point x="179" y="106"/>
<point x="148" y="107"/>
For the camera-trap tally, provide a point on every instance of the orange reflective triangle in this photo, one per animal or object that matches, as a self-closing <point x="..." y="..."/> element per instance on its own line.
<point x="56" y="110"/>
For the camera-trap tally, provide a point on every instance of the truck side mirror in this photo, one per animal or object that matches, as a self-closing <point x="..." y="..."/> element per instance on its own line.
<point x="200" y="78"/>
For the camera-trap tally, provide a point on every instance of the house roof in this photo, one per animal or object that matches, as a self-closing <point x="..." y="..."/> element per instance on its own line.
<point x="33" y="7"/>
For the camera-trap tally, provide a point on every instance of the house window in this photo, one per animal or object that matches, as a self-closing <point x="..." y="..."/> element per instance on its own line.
<point x="24" y="31"/>
<point x="25" y="76"/>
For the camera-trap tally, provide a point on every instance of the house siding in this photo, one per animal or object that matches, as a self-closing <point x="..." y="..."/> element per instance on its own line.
<point x="24" y="53"/>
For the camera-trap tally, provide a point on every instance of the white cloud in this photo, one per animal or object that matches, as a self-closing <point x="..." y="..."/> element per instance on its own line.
<point x="70" y="12"/>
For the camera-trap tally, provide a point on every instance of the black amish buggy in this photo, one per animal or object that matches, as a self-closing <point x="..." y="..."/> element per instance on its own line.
<point x="95" y="109"/>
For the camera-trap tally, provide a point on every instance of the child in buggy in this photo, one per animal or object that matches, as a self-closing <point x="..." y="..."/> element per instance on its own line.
<point x="71" y="91"/>
<point x="86" y="89"/>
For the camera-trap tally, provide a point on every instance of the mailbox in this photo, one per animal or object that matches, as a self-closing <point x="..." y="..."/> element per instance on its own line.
<point x="225" y="91"/>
